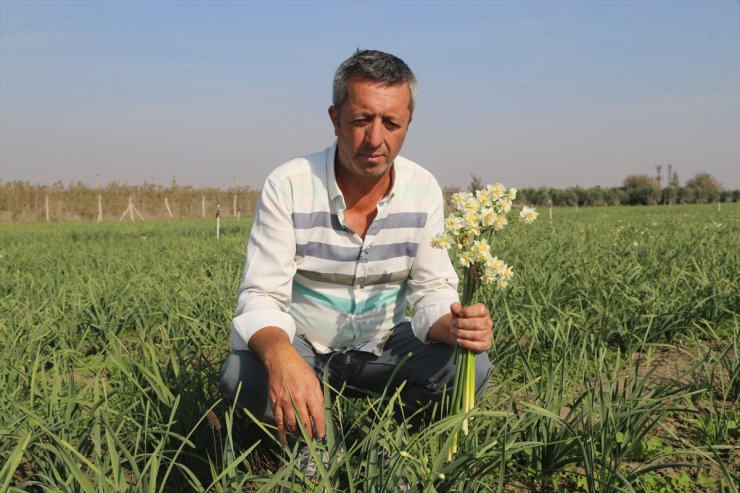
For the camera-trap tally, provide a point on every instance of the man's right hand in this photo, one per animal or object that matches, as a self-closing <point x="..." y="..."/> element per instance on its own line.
<point x="290" y="382"/>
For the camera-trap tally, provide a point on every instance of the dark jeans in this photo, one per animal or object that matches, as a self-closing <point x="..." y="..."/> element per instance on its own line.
<point x="427" y="369"/>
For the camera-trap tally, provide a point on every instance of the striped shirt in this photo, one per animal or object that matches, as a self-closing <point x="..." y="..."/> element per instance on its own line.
<point x="308" y="273"/>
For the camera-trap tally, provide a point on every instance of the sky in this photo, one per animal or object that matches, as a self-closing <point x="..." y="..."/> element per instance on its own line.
<point x="218" y="93"/>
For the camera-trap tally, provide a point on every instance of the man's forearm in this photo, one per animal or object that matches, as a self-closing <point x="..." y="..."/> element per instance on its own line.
<point x="440" y="331"/>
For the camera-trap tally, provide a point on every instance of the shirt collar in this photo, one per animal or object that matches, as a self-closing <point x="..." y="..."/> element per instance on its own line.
<point x="331" y="179"/>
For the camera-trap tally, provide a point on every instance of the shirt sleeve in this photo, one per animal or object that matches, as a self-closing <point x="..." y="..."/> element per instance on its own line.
<point x="433" y="280"/>
<point x="265" y="291"/>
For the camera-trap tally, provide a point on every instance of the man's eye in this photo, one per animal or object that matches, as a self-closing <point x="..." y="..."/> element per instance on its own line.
<point x="392" y="125"/>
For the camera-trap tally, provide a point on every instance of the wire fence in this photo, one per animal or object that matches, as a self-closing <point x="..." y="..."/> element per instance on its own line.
<point x="24" y="202"/>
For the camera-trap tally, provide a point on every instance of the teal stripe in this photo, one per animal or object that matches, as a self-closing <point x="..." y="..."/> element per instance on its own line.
<point x="334" y="302"/>
<point x="376" y="302"/>
<point x="380" y="300"/>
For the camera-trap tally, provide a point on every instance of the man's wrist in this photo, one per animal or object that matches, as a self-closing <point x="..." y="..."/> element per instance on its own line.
<point x="269" y="341"/>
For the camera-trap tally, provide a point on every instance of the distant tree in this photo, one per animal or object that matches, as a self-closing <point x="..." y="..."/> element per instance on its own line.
<point x="641" y="189"/>
<point x="595" y="196"/>
<point x="640" y="181"/>
<point x="475" y="183"/>
<point x="685" y="195"/>
<point x="706" y="188"/>
<point x="674" y="179"/>
<point x="564" y="197"/>
<point x="538" y="196"/>
<point x="614" y="196"/>
<point x="705" y="181"/>
<point x="669" y="195"/>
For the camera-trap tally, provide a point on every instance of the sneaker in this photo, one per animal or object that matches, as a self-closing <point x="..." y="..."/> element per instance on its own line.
<point x="306" y="466"/>
<point x="305" y="473"/>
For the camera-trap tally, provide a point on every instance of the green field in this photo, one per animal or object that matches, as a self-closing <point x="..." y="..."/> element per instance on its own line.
<point x="616" y="349"/>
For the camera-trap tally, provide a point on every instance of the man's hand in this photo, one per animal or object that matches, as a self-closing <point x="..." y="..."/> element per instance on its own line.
<point x="469" y="327"/>
<point x="290" y="382"/>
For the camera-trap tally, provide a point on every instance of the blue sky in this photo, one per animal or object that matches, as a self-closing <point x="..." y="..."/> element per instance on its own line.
<point x="527" y="93"/>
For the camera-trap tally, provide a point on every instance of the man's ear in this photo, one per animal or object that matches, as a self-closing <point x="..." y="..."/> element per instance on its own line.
<point x="334" y="117"/>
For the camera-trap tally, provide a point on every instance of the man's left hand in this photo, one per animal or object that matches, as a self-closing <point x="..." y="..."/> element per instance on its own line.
<point x="471" y="327"/>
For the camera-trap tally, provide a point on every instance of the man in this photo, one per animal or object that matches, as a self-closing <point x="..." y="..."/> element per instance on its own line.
<point x="340" y="244"/>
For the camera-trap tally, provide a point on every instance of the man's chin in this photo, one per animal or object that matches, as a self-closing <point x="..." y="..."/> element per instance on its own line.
<point x="375" y="170"/>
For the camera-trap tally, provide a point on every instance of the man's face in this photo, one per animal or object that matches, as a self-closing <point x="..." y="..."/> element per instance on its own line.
<point x="370" y="127"/>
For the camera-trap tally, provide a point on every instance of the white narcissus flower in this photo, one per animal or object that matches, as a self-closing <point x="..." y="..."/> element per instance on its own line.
<point x="459" y="198"/>
<point x="506" y="205"/>
<point x="466" y="259"/>
<point x="470" y="219"/>
<point x="453" y="223"/>
<point x="496" y="191"/>
<point x="482" y="250"/>
<point x="488" y="277"/>
<point x="528" y="214"/>
<point x="487" y="216"/>
<point x="500" y="222"/>
<point x="468" y="238"/>
<point x="495" y="265"/>
<point x="511" y="194"/>
<point x="442" y="241"/>
<point x="507" y="273"/>
<point x="483" y="198"/>
<point x="472" y="205"/>
<point x="472" y="230"/>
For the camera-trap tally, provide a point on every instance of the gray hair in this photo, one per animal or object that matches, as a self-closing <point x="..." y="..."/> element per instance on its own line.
<point x="375" y="66"/>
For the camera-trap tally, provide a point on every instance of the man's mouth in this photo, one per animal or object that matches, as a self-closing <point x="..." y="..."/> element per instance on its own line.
<point x="373" y="156"/>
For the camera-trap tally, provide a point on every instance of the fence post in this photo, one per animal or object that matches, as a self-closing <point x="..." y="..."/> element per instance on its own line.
<point x="203" y="205"/>
<point x="46" y="205"/>
<point x="100" y="208"/>
<point x="218" y="221"/>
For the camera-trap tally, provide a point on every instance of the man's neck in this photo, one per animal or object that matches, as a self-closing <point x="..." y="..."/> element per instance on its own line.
<point x="365" y="193"/>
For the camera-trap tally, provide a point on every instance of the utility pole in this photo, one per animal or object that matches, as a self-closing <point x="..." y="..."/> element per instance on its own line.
<point x="657" y="175"/>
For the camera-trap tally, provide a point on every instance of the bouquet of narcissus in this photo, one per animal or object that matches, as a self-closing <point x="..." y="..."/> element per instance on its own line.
<point x="468" y="232"/>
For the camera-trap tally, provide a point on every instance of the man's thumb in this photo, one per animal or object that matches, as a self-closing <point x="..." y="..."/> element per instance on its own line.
<point x="455" y="309"/>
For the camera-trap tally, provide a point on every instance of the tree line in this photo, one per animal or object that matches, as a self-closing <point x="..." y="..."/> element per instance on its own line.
<point x="23" y="201"/>
<point x="635" y="190"/>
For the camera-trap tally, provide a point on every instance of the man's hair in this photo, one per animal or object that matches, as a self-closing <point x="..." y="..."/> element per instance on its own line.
<point x="377" y="67"/>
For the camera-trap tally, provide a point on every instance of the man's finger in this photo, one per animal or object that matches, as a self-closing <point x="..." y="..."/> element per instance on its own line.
<point x="303" y="415"/>
<point x="282" y="438"/>
<point x="473" y="311"/>
<point x="316" y="411"/>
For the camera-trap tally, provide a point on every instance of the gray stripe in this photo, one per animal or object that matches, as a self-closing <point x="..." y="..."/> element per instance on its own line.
<point x="319" y="219"/>
<point x="349" y="280"/>
<point x="394" y="250"/>
<point x="375" y="253"/>
<point x="387" y="277"/>
<point x="400" y="220"/>
<point x="328" y="252"/>
<point x="328" y="277"/>
<point x="405" y="220"/>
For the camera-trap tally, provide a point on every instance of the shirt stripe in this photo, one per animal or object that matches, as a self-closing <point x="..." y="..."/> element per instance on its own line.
<point x="317" y="220"/>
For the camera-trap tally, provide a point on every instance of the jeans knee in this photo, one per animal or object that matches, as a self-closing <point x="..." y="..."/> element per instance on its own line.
<point x="483" y="372"/>
<point x="243" y="380"/>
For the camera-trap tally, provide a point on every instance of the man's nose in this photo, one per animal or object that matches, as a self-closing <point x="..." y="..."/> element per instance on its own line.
<point x="374" y="134"/>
